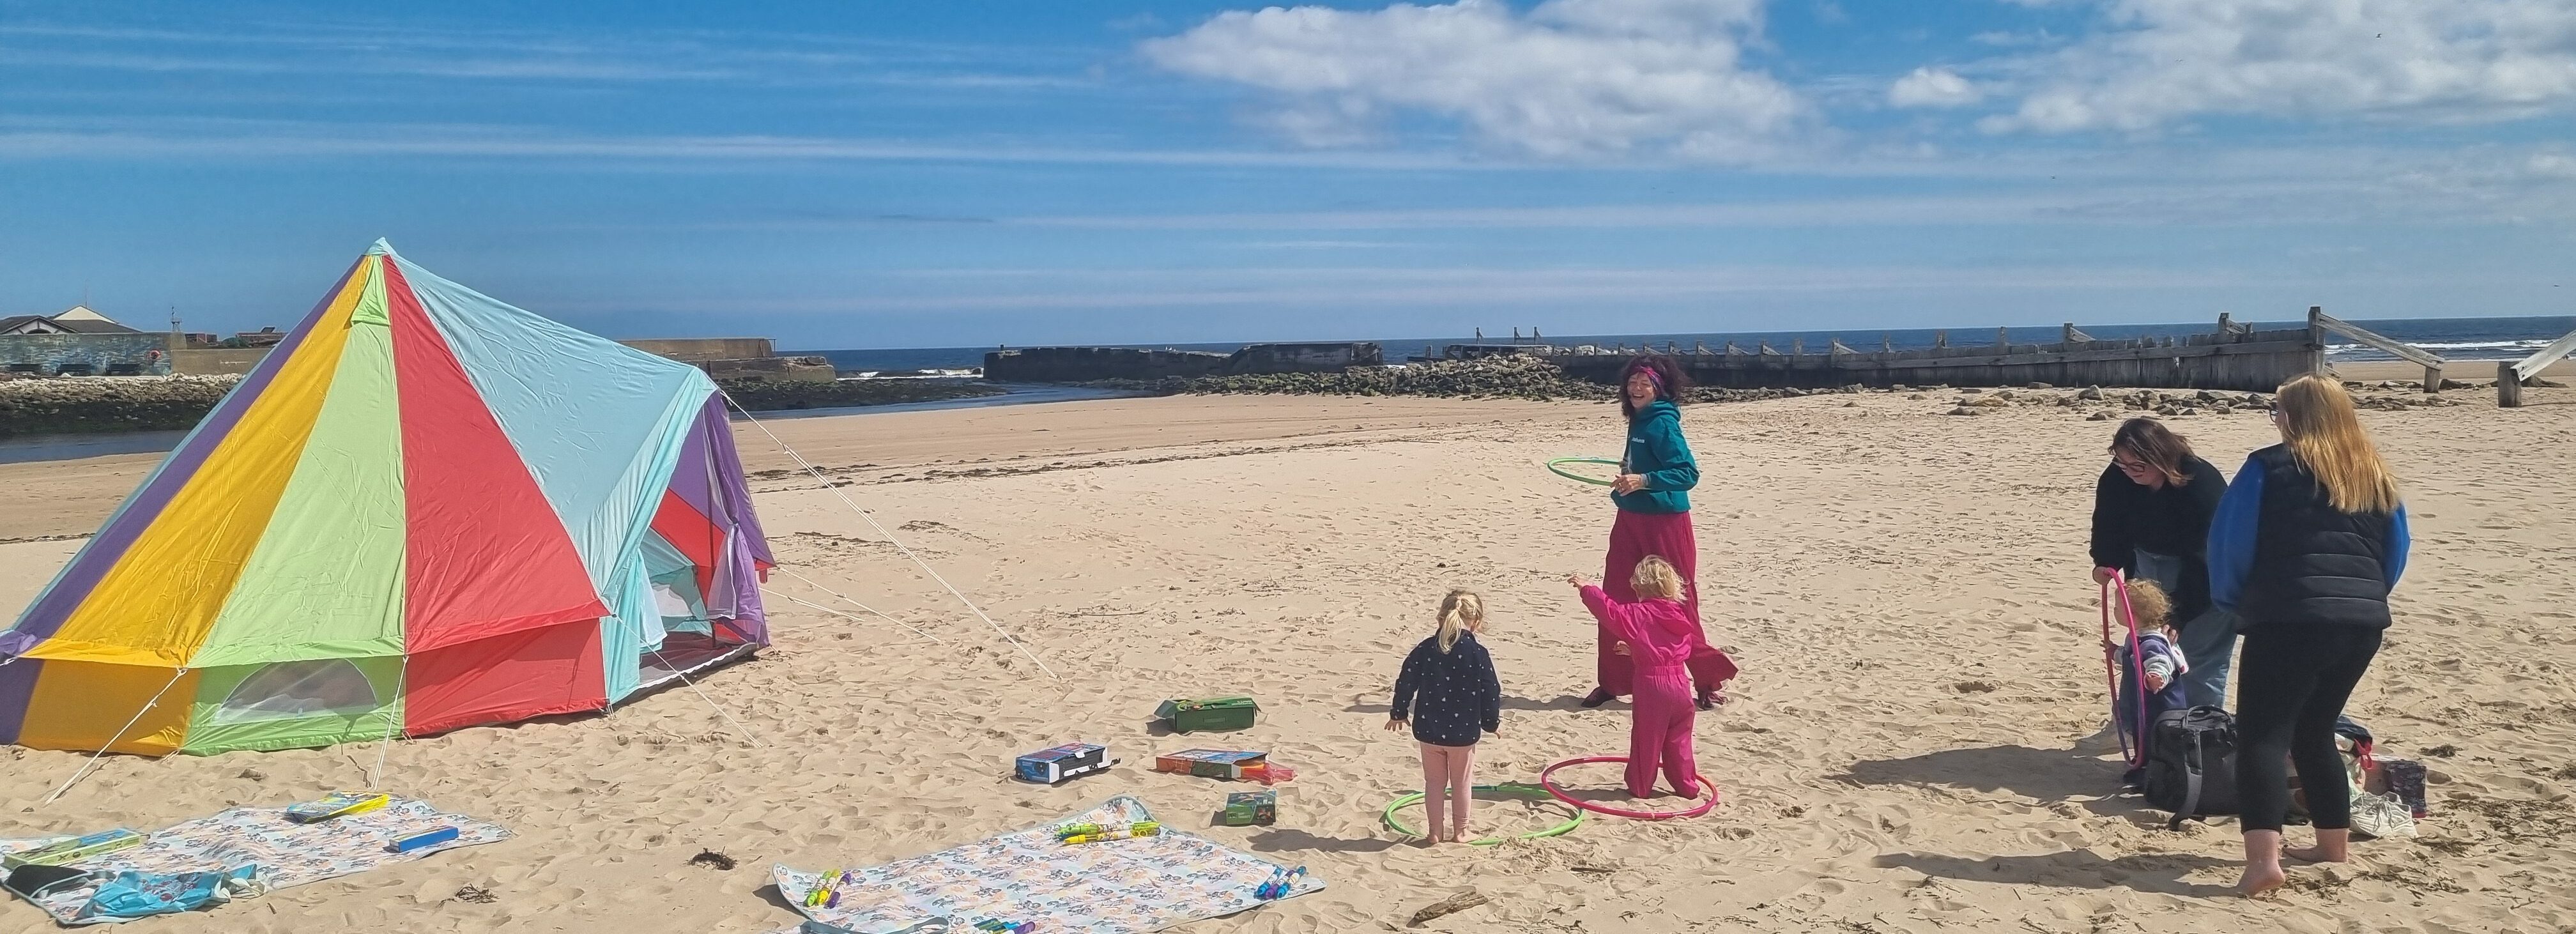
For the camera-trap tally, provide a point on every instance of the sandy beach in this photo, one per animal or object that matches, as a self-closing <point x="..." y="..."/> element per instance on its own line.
<point x="1915" y="744"/>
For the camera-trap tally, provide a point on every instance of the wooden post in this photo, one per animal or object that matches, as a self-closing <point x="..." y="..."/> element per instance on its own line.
<point x="2508" y="386"/>
<point x="2432" y="377"/>
<point x="2223" y="326"/>
<point x="1940" y="339"/>
<point x="2003" y="338"/>
<point x="1797" y="346"/>
<point x="1887" y="343"/>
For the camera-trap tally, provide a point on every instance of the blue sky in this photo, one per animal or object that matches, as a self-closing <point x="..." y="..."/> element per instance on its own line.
<point x="969" y="173"/>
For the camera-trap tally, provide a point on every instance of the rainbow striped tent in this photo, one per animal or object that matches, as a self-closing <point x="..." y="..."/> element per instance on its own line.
<point x="425" y="509"/>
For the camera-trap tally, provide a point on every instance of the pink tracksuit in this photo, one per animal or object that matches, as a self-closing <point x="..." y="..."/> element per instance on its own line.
<point x="1661" y="638"/>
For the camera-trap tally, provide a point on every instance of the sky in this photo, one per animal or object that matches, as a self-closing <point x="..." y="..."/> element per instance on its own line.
<point x="968" y="173"/>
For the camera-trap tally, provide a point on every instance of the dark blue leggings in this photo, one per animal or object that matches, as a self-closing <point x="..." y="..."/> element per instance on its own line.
<point x="2291" y="684"/>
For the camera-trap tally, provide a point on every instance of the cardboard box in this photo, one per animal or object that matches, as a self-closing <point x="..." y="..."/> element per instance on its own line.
<point x="1247" y="808"/>
<point x="1049" y="766"/>
<point x="1211" y="714"/>
<point x="1208" y="763"/>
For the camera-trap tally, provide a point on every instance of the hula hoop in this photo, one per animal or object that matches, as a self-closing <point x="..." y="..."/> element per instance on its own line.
<point x="1703" y="808"/>
<point x="2132" y="754"/>
<point x="1552" y="467"/>
<point x="1516" y="788"/>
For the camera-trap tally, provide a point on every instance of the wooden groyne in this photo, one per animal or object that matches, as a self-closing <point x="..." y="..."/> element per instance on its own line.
<point x="1089" y="364"/>
<point x="2233" y="358"/>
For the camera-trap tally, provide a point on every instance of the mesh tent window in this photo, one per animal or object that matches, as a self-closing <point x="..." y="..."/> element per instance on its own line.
<point x="287" y="690"/>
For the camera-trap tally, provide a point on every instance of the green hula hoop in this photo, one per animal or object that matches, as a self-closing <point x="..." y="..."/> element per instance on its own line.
<point x="1555" y="468"/>
<point x="1514" y="788"/>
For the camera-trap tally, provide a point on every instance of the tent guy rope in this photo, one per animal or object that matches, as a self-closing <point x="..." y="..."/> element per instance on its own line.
<point x="809" y="582"/>
<point x="890" y="537"/>
<point x="393" y="721"/>
<point x="119" y="737"/>
<point x="711" y="702"/>
<point x="791" y="598"/>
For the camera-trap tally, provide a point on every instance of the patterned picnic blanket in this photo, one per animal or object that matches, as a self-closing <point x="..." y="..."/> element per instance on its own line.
<point x="288" y="854"/>
<point x="1114" y="887"/>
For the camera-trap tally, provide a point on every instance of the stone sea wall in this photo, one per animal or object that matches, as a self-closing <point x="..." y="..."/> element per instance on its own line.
<point x="1095" y="364"/>
<point x="1502" y="377"/>
<point x="85" y="405"/>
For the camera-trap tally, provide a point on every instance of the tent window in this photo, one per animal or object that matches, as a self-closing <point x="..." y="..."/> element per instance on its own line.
<point x="300" y="689"/>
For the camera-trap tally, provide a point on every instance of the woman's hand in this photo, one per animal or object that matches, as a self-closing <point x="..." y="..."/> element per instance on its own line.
<point x="1394" y="725"/>
<point x="2101" y="576"/>
<point x="1628" y="483"/>
<point x="1576" y="580"/>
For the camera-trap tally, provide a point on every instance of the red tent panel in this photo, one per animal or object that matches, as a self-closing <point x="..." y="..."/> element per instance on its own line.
<point x="485" y="553"/>
<point x="524" y="674"/>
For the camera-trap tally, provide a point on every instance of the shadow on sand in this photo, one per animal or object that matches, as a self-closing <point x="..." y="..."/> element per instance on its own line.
<point x="2082" y="869"/>
<point x="2047" y="775"/>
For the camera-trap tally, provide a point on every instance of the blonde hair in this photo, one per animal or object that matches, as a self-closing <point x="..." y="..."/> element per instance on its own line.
<point x="1461" y="611"/>
<point x="2148" y="606"/>
<point x="1655" y="579"/>
<point x="2321" y="431"/>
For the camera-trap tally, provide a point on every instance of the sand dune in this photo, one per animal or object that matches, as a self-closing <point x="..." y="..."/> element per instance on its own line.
<point x="1907" y="751"/>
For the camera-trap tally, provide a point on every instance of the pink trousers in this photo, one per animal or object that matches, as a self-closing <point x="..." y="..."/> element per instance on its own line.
<point x="1660" y="734"/>
<point x="1452" y="768"/>
<point x="1633" y="536"/>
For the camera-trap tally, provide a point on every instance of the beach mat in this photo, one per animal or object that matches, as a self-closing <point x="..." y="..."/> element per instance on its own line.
<point x="1114" y="887"/>
<point x="288" y="854"/>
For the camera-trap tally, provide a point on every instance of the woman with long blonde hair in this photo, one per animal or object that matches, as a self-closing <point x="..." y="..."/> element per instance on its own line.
<point x="2306" y="545"/>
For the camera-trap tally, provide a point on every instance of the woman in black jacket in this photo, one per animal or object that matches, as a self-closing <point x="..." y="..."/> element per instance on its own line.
<point x="2151" y="514"/>
<point x="2304" y="549"/>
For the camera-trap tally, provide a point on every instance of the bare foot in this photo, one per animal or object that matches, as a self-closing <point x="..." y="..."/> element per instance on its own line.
<point x="2261" y="882"/>
<point x="2314" y="854"/>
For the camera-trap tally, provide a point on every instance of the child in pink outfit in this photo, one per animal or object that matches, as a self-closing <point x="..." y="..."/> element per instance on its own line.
<point x="1658" y="632"/>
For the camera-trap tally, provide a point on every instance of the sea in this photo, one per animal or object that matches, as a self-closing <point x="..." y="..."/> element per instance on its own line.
<point x="2453" y="338"/>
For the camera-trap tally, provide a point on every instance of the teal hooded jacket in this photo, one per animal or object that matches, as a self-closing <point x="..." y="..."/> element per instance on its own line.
<point x="1656" y="451"/>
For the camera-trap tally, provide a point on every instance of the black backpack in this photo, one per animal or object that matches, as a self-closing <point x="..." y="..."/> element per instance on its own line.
<point x="2191" y="764"/>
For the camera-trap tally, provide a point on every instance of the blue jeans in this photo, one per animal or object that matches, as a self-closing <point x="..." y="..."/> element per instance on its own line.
<point x="2207" y="642"/>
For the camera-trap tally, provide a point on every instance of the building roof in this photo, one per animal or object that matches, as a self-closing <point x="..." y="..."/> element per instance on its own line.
<point x="92" y="326"/>
<point x="84" y="322"/>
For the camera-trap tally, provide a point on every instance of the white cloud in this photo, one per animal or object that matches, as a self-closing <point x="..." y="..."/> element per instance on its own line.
<point x="1569" y="79"/>
<point x="2160" y="61"/>
<point x="1933" y="87"/>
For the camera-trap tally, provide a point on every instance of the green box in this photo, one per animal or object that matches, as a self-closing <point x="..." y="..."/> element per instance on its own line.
<point x="1212" y="714"/>
<point x="1249" y="808"/>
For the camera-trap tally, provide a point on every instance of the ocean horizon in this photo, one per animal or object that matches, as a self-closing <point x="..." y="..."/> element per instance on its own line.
<point x="2453" y="338"/>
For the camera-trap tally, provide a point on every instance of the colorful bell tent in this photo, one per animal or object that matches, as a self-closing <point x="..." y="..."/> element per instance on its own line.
<point x="425" y="509"/>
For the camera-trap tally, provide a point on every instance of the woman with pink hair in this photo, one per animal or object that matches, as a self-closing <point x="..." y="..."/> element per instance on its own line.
<point x="1652" y="493"/>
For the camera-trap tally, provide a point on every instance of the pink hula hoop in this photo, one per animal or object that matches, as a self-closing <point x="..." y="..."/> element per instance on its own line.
<point x="1544" y="782"/>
